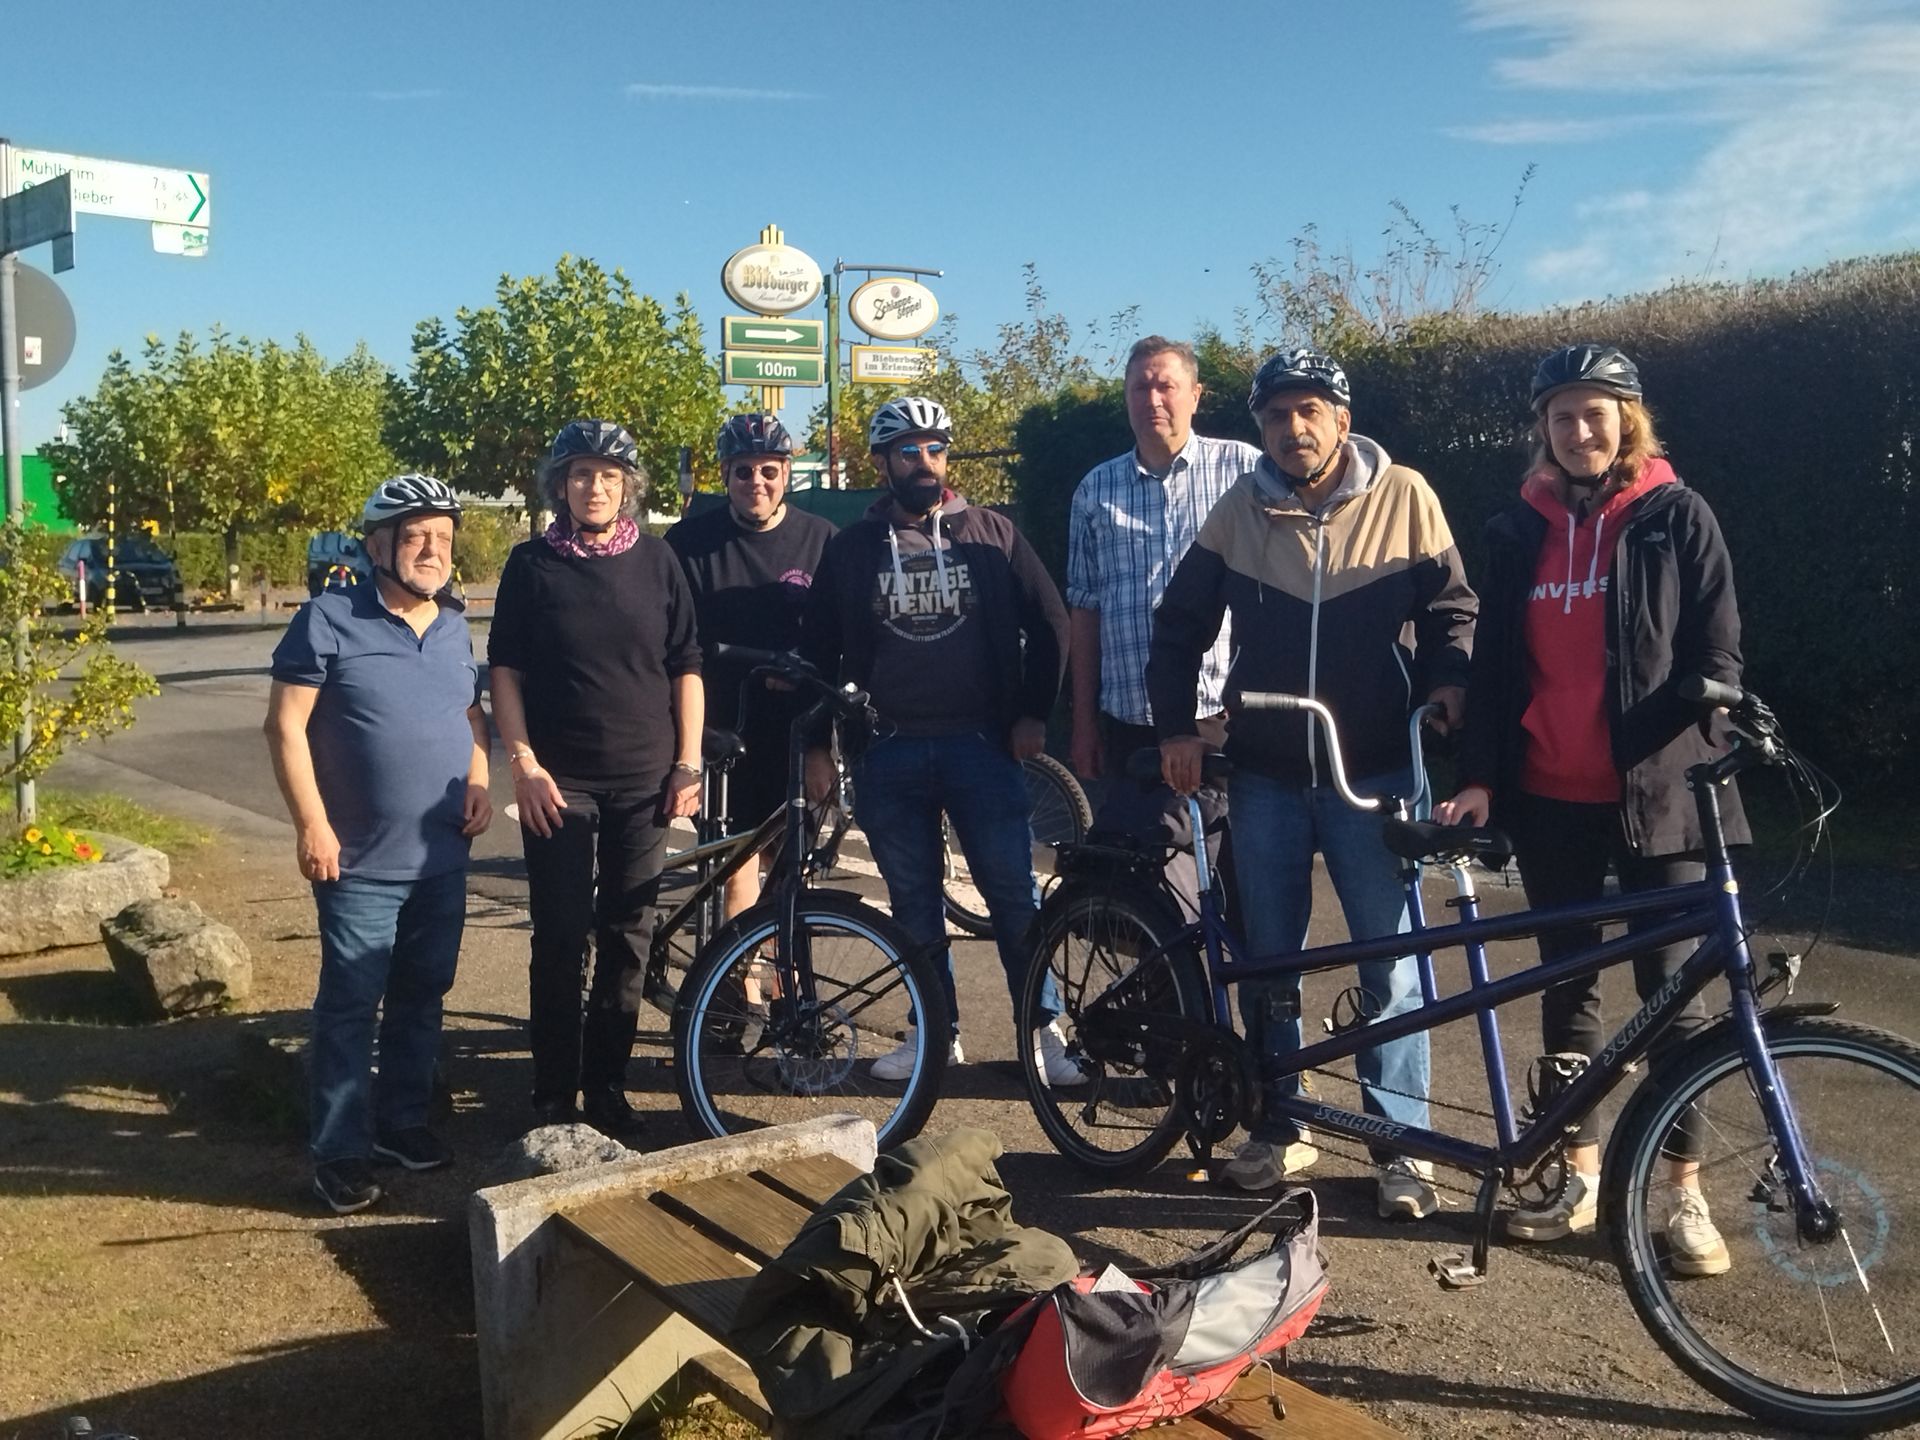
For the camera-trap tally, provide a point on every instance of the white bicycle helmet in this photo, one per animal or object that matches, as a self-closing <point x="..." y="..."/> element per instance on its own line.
<point x="909" y="415"/>
<point x="406" y="495"/>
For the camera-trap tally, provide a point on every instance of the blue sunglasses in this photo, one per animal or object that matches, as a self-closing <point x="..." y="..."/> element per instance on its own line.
<point x="914" y="452"/>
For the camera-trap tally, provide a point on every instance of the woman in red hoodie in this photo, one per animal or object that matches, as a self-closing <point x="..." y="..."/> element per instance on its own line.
<point x="1606" y="586"/>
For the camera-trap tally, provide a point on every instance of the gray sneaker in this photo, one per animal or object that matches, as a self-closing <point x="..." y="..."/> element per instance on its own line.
<point x="1406" y="1190"/>
<point x="1576" y="1210"/>
<point x="1261" y="1165"/>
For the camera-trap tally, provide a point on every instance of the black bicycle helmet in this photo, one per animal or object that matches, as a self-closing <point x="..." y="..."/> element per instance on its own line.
<point x="1298" y="370"/>
<point x="406" y="495"/>
<point x="1600" y="366"/>
<point x="753" y="434"/>
<point x="592" y="439"/>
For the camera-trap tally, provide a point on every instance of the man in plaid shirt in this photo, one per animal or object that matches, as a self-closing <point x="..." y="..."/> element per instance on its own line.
<point x="1133" y="518"/>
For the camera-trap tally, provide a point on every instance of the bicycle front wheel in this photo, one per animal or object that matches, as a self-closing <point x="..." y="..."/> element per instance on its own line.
<point x="1821" y="1335"/>
<point x="1106" y="961"/>
<point x="747" y="1054"/>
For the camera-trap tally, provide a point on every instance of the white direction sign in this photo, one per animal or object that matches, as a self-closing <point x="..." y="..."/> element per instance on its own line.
<point x="114" y="187"/>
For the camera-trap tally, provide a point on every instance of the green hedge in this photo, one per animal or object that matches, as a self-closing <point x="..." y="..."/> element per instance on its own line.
<point x="1792" y="405"/>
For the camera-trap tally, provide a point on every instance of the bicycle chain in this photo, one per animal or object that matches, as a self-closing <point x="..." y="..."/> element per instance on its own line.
<point x="1337" y="1146"/>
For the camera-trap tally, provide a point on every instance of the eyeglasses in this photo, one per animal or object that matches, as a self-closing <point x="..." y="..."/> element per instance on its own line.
<point x="747" y="472"/>
<point x="598" y="480"/>
<point x="914" y="452"/>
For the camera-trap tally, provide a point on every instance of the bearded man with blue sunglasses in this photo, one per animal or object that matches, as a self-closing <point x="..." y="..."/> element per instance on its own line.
<point x="945" y="616"/>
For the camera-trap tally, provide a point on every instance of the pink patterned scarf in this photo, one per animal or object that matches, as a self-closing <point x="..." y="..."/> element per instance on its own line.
<point x="568" y="541"/>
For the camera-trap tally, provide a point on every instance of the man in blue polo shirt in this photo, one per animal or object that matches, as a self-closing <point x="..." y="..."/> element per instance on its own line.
<point x="380" y="747"/>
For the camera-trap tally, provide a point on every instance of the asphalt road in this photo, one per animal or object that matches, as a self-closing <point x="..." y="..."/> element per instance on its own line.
<point x="1548" y="1346"/>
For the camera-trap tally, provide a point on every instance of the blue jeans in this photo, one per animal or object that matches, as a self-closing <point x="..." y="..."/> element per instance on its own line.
<point x="391" y="940"/>
<point x="1276" y="829"/>
<point x="900" y="786"/>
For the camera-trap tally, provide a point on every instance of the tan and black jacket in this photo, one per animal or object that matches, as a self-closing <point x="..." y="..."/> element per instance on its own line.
<point x="1363" y="604"/>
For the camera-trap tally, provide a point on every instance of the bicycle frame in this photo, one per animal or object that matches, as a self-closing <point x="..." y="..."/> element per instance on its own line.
<point x="1708" y="909"/>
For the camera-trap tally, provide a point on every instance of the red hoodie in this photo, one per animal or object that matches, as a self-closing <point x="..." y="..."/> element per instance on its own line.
<point x="1569" y="747"/>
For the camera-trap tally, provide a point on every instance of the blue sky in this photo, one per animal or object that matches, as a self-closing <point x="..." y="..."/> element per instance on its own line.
<point x="376" y="164"/>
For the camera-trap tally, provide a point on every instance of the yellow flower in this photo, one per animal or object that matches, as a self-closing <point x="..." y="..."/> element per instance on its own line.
<point x="70" y="837"/>
<point x="46" y="849"/>
<point x="33" y="836"/>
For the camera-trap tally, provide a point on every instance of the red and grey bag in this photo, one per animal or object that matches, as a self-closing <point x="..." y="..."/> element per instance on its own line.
<point x="1108" y="1362"/>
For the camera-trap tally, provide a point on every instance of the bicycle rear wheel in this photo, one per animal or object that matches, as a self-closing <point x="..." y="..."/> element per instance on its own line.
<point x="1061" y="814"/>
<point x="1110" y="953"/>
<point x="748" y="1056"/>
<point x="1821" y="1336"/>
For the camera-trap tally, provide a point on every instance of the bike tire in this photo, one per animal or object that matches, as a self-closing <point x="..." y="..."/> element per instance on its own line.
<point x="741" y="1062"/>
<point x="1767" y="1335"/>
<point x="1124" y="1119"/>
<point x="1060" y="814"/>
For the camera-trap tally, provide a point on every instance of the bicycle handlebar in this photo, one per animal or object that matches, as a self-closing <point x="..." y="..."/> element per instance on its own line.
<point x="1273" y="700"/>
<point x="784" y="665"/>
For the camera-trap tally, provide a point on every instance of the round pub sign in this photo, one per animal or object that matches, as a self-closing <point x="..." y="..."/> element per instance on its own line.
<point x="771" y="279"/>
<point x="893" y="309"/>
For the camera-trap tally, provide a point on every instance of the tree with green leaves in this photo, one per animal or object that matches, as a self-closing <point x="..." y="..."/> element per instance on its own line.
<point x="63" y="687"/>
<point x="483" y="398"/>
<point x="226" y="436"/>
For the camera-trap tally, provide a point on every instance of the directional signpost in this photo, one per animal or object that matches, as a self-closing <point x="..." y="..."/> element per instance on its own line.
<point x="772" y="367"/>
<point x="758" y="332"/>
<point x="40" y="193"/>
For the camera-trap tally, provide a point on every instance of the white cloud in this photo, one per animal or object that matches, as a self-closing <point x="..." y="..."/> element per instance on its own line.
<point x="1539" y="132"/>
<point x="644" y="91"/>
<point x="1813" y="146"/>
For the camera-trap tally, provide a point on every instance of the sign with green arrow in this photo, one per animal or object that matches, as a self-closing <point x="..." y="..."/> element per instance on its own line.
<point x="114" y="187"/>
<point x="761" y="332"/>
<point x="761" y="367"/>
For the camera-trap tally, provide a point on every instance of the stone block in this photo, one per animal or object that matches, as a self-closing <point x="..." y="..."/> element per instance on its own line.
<point x="176" y="959"/>
<point x="65" y="906"/>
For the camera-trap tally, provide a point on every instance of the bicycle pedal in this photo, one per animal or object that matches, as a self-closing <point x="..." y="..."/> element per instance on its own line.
<point x="1456" y="1272"/>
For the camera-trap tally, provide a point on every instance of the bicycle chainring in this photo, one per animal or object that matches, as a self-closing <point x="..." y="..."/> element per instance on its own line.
<point x="1214" y="1088"/>
<point x="1542" y="1186"/>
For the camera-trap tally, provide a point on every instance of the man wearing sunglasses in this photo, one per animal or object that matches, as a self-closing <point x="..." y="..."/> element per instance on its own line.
<point x="750" y="563"/>
<point x="945" y="616"/>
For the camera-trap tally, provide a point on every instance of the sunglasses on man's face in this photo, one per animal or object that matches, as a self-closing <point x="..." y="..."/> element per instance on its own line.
<point x="747" y="472"/>
<point x="914" y="452"/>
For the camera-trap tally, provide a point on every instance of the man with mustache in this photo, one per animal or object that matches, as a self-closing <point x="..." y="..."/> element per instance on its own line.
<point x="1326" y="554"/>
<point x="1132" y="520"/>
<point x="944" y="615"/>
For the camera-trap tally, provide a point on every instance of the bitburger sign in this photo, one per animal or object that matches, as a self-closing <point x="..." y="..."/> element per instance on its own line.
<point x="771" y="279"/>
<point x="893" y="309"/>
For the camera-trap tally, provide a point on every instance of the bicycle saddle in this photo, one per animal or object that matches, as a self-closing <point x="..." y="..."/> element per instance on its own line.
<point x="1424" y="840"/>
<point x="1143" y="767"/>
<point x="720" y="747"/>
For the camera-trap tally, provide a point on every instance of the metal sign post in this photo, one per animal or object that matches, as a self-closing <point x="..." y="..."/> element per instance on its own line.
<point x="834" y="295"/>
<point x="40" y="193"/>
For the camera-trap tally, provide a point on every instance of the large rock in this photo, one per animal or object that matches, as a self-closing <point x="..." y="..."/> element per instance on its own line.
<point x="65" y="906"/>
<point x="556" y="1149"/>
<point x="177" y="960"/>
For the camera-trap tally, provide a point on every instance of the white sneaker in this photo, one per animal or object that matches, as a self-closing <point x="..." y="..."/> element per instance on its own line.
<point x="1057" y="1069"/>
<point x="1576" y="1209"/>
<point x="898" y="1063"/>
<point x="1406" y="1190"/>
<point x="1694" y="1246"/>
<point x="1261" y="1165"/>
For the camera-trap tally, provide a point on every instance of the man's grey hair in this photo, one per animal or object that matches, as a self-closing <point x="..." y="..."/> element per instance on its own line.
<point x="1154" y="345"/>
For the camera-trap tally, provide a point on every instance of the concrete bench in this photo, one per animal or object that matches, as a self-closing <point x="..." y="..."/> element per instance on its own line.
<point x="693" y="1244"/>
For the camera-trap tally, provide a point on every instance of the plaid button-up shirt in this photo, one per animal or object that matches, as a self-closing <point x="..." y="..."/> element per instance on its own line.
<point x="1129" y="529"/>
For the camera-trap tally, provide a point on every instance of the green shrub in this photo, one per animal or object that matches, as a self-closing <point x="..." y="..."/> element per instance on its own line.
<point x="480" y="546"/>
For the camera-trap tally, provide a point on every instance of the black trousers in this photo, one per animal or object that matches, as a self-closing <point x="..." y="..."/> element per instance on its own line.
<point x="596" y="876"/>
<point x="1564" y="850"/>
<point x="1157" y="814"/>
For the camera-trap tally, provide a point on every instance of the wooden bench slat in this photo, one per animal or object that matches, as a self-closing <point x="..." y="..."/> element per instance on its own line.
<point x="1247" y="1410"/>
<point x="811" y="1180"/>
<point x="730" y="1379"/>
<point x="738" y="1212"/>
<point x="675" y="1261"/>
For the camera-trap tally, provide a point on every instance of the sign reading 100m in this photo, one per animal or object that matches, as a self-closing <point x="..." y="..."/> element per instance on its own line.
<point x="758" y="367"/>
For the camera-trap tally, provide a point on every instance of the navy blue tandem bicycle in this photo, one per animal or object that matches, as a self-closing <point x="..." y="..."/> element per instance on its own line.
<point x="1805" y="1129"/>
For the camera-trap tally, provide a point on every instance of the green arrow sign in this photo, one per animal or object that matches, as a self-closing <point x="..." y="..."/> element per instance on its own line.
<point x="760" y="332"/>
<point x="760" y="367"/>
